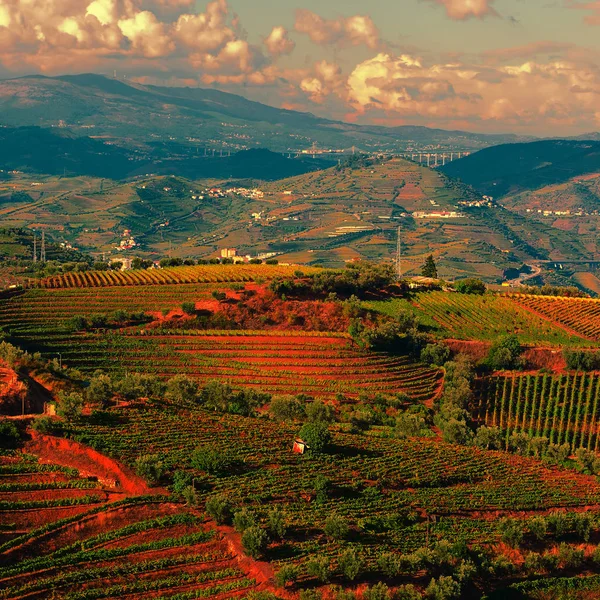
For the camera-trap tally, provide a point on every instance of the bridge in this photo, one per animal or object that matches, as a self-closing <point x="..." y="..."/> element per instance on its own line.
<point x="435" y="159"/>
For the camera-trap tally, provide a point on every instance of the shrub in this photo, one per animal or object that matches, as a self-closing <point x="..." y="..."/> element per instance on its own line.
<point x="379" y="591"/>
<point x="512" y="532"/>
<point x="181" y="480"/>
<point x="310" y="595"/>
<point x="319" y="412"/>
<point x="219" y="508"/>
<point x="287" y="574"/>
<point x="435" y="354"/>
<point x="322" y="486"/>
<point x="350" y="564"/>
<point x="569" y="557"/>
<point x="407" y="592"/>
<point x="277" y="524"/>
<point x="320" y="568"/>
<point x="255" y="541"/>
<point x="489" y="438"/>
<point x="181" y="389"/>
<point x="47" y="426"/>
<point x="336" y="528"/>
<point x="100" y="390"/>
<point x="389" y="564"/>
<point x="505" y="353"/>
<point x="244" y="519"/>
<point x="151" y="467"/>
<point x="9" y="435"/>
<point x="70" y="406"/>
<point x="445" y="588"/>
<point x="316" y="435"/>
<point x="538" y="528"/>
<point x="189" y="308"/>
<point x="287" y="409"/>
<point x="211" y="460"/>
<point x="470" y="286"/>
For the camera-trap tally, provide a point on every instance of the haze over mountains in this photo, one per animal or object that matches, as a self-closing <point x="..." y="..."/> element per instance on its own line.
<point x="93" y="105"/>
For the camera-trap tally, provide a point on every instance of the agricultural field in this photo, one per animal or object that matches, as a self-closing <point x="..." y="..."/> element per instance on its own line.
<point x="579" y="315"/>
<point x="171" y="276"/>
<point x="371" y="477"/>
<point x="485" y="318"/>
<point x="61" y="538"/>
<point x="562" y="408"/>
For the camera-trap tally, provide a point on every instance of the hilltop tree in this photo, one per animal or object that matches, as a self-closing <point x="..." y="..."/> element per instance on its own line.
<point x="429" y="269"/>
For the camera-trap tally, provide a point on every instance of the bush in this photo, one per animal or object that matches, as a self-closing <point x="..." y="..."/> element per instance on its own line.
<point x="219" y="508"/>
<point x="435" y="354"/>
<point x="47" y="426"/>
<point x="320" y="568"/>
<point x="181" y="389"/>
<point x="100" y="390"/>
<point x="505" y="353"/>
<point x="243" y="519"/>
<point x="322" y="486"/>
<point x="316" y="435"/>
<point x="9" y="435"/>
<point x="211" y="460"/>
<point x="255" y="541"/>
<point x="445" y="588"/>
<point x="350" y="564"/>
<point x="287" y="409"/>
<point x="189" y="308"/>
<point x="538" y="528"/>
<point x="151" y="467"/>
<point x="489" y="438"/>
<point x="287" y="574"/>
<point x="389" y="564"/>
<point x="319" y="412"/>
<point x="70" y="406"/>
<point x="512" y="532"/>
<point x="277" y="525"/>
<point x="181" y="481"/>
<point x="379" y="591"/>
<point x="336" y="528"/>
<point x="470" y="286"/>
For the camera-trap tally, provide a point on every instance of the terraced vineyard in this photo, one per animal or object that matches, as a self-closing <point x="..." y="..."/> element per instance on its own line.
<point x="472" y="317"/>
<point x="317" y="363"/>
<point x="564" y="408"/>
<point x="371" y="478"/>
<point x="174" y="275"/>
<point x="138" y="546"/>
<point x="580" y="315"/>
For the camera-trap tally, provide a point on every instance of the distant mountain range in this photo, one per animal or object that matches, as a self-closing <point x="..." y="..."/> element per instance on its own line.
<point x="512" y="168"/>
<point x="134" y="115"/>
<point x="60" y="152"/>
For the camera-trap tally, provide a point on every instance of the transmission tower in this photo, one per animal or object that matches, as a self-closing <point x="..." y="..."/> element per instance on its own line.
<point x="399" y="254"/>
<point x="34" y="247"/>
<point x="43" y="251"/>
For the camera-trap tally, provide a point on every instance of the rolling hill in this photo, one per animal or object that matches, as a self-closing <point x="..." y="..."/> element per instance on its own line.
<point x="60" y="152"/>
<point x="135" y="115"/>
<point x="511" y="168"/>
<point x="325" y="217"/>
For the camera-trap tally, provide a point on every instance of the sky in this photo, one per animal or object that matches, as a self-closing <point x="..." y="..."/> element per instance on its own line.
<point x="492" y="66"/>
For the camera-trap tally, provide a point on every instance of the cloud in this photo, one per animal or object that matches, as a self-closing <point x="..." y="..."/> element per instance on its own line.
<point x="466" y="9"/>
<point x="524" y="96"/>
<point x="592" y="7"/>
<point x="279" y="43"/>
<point x="355" y="31"/>
<point x="147" y="35"/>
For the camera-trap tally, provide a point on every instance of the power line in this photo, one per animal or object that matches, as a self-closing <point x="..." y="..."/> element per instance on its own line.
<point x="399" y="254"/>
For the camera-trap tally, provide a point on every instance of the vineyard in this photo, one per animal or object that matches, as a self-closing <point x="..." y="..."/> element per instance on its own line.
<point x="472" y="317"/>
<point x="563" y="408"/>
<point x="580" y="315"/>
<point x="316" y="363"/>
<point x="371" y="478"/>
<point x="173" y="275"/>
<point x="61" y="539"/>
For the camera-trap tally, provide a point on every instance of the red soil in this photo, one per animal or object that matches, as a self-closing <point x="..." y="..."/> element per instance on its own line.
<point x="88" y="462"/>
<point x="108" y="520"/>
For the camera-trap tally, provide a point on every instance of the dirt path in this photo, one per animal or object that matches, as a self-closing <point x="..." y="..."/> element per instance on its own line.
<point x="88" y="462"/>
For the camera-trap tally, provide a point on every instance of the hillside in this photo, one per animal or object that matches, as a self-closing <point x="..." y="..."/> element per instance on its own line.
<point x="327" y="217"/>
<point x="59" y="152"/>
<point x="511" y="168"/>
<point x="135" y="115"/>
